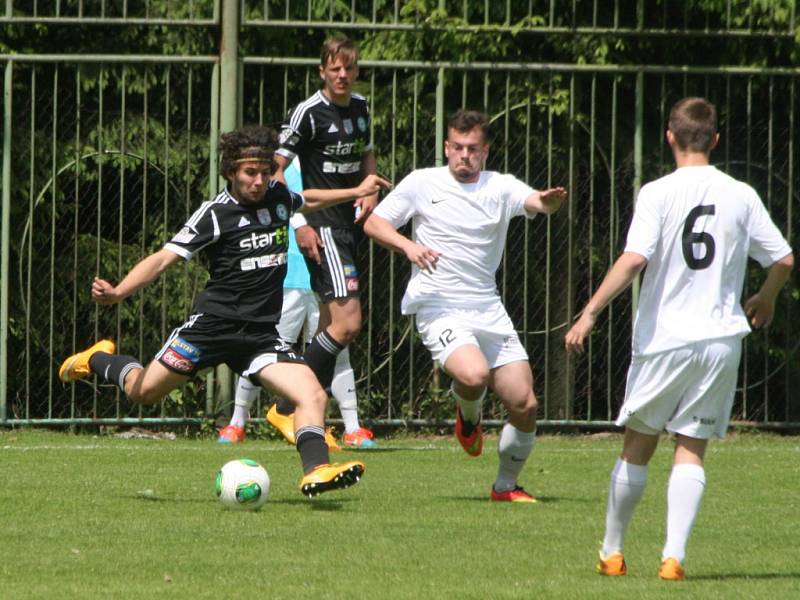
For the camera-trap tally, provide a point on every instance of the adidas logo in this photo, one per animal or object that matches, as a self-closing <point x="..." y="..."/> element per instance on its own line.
<point x="243" y="222"/>
<point x="333" y="128"/>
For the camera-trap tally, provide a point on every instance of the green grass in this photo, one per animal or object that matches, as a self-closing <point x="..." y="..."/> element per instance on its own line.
<point x="99" y="517"/>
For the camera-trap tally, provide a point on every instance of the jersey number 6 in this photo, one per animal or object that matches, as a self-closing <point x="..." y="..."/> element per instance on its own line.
<point x="690" y="238"/>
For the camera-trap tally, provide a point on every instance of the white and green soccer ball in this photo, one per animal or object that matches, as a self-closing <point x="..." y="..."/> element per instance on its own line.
<point x="242" y="484"/>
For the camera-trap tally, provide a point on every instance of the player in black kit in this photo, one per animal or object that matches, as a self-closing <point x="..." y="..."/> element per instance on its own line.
<point x="330" y="133"/>
<point x="243" y="232"/>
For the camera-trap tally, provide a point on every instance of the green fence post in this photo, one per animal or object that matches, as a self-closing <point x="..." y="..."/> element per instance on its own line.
<point x="228" y="121"/>
<point x="5" y="240"/>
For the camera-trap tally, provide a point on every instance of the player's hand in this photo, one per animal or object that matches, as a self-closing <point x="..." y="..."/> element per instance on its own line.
<point x="364" y="207"/>
<point x="553" y="197"/>
<point x="760" y="310"/>
<point x="103" y="292"/>
<point x="309" y="242"/>
<point x="371" y="185"/>
<point x="422" y="256"/>
<point x="575" y="337"/>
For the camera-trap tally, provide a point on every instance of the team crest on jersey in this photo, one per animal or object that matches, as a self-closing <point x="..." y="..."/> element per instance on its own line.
<point x="263" y="216"/>
<point x="362" y="124"/>
<point x="282" y="212"/>
<point x="287" y="136"/>
<point x="185" y="235"/>
<point x="348" y="126"/>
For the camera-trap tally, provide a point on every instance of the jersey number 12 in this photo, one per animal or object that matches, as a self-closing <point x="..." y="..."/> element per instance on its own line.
<point x="690" y="238"/>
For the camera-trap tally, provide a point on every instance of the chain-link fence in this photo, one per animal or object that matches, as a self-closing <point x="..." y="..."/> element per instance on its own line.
<point x="107" y="155"/>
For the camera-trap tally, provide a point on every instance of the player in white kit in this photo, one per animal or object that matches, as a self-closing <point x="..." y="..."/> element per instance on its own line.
<point x="460" y="216"/>
<point x="694" y="230"/>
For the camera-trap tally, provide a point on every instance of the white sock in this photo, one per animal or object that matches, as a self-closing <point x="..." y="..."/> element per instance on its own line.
<point x="684" y="493"/>
<point x="343" y="389"/>
<point x="246" y="394"/>
<point x="624" y="492"/>
<point x="470" y="409"/>
<point x="513" y="448"/>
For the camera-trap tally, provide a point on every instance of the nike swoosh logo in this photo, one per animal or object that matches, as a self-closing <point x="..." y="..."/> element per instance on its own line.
<point x="437" y="201"/>
<point x="351" y="390"/>
<point x="515" y="459"/>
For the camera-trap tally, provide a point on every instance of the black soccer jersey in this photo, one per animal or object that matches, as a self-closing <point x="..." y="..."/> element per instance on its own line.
<point x="246" y="245"/>
<point x="331" y="142"/>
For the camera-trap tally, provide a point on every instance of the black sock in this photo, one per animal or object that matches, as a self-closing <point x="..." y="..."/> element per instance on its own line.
<point x="321" y="355"/>
<point x="284" y="407"/>
<point x="113" y="367"/>
<point x="310" y="441"/>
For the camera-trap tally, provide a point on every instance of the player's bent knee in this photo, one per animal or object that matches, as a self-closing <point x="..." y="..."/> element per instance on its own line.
<point x="472" y="378"/>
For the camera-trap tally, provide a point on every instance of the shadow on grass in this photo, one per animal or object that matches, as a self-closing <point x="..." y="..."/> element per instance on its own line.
<point x="539" y="499"/>
<point x="742" y="576"/>
<point x="327" y="505"/>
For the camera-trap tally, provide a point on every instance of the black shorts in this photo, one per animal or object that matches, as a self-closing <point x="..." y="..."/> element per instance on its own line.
<point x="208" y="340"/>
<point x="337" y="276"/>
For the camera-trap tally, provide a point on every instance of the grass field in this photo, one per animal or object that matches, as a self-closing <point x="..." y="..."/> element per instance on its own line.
<point x="99" y="517"/>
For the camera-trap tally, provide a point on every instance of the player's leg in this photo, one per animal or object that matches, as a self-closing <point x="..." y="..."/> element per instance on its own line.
<point x="469" y="371"/>
<point x="343" y="385"/>
<point x="687" y="483"/>
<point x="293" y="316"/>
<point x="141" y="385"/>
<point x="704" y="412"/>
<point x="446" y="334"/>
<point x="336" y="283"/>
<point x="626" y="486"/>
<point x="654" y="389"/>
<point x="297" y="382"/>
<point x="513" y="385"/>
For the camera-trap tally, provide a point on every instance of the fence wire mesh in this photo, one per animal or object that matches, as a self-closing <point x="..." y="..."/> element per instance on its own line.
<point x="110" y="157"/>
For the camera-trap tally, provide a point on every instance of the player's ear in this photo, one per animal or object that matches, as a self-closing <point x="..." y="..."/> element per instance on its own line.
<point x="714" y="142"/>
<point x="322" y="72"/>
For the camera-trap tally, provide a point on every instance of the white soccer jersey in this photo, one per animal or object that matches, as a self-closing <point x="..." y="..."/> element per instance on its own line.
<point x="696" y="227"/>
<point x="466" y="222"/>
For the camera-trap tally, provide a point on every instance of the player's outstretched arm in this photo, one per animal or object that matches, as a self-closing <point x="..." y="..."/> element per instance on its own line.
<point x="318" y="198"/>
<point x="386" y="235"/>
<point x="146" y="270"/>
<point x="546" y="201"/>
<point x="619" y="277"/>
<point x="760" y="307"/>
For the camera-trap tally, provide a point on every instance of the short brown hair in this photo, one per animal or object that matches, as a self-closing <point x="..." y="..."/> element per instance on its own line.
<point x="466" y="120"/>
<point x="693" y="122"/>
<point x="255" y="142"/>
<point x="336" y="46"/>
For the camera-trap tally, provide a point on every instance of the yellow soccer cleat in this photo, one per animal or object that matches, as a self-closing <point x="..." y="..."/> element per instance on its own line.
<point x="283" y="423"/>
<point x="77" y="366"/>
<point x="613" y="565"/>
<point x="325" y="478"/>
<point x="330" y="440"/>
<point x="671" y="570"/>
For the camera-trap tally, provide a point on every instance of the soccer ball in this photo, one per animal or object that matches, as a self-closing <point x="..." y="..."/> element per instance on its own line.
<point x="242" y="484"/>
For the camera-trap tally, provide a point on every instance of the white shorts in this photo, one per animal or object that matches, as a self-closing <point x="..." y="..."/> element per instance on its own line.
<point x="488" y="327"/>
<point x="688" y="390"/>
<point x="300" y="308"/>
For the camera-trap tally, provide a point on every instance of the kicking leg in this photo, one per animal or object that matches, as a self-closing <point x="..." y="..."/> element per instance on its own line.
<point x="297" y="383"/>
<point x="470" y="372"/>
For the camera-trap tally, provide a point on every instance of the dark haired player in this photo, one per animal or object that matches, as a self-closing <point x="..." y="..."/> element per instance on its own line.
<point x="243" y="233"/>
<point x="460" y="215"/>
<point x="693" y="229"/>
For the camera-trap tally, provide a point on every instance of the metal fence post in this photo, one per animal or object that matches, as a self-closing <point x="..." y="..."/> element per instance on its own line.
<point x="5" y="239"/>
<point x="228" y="121"/>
